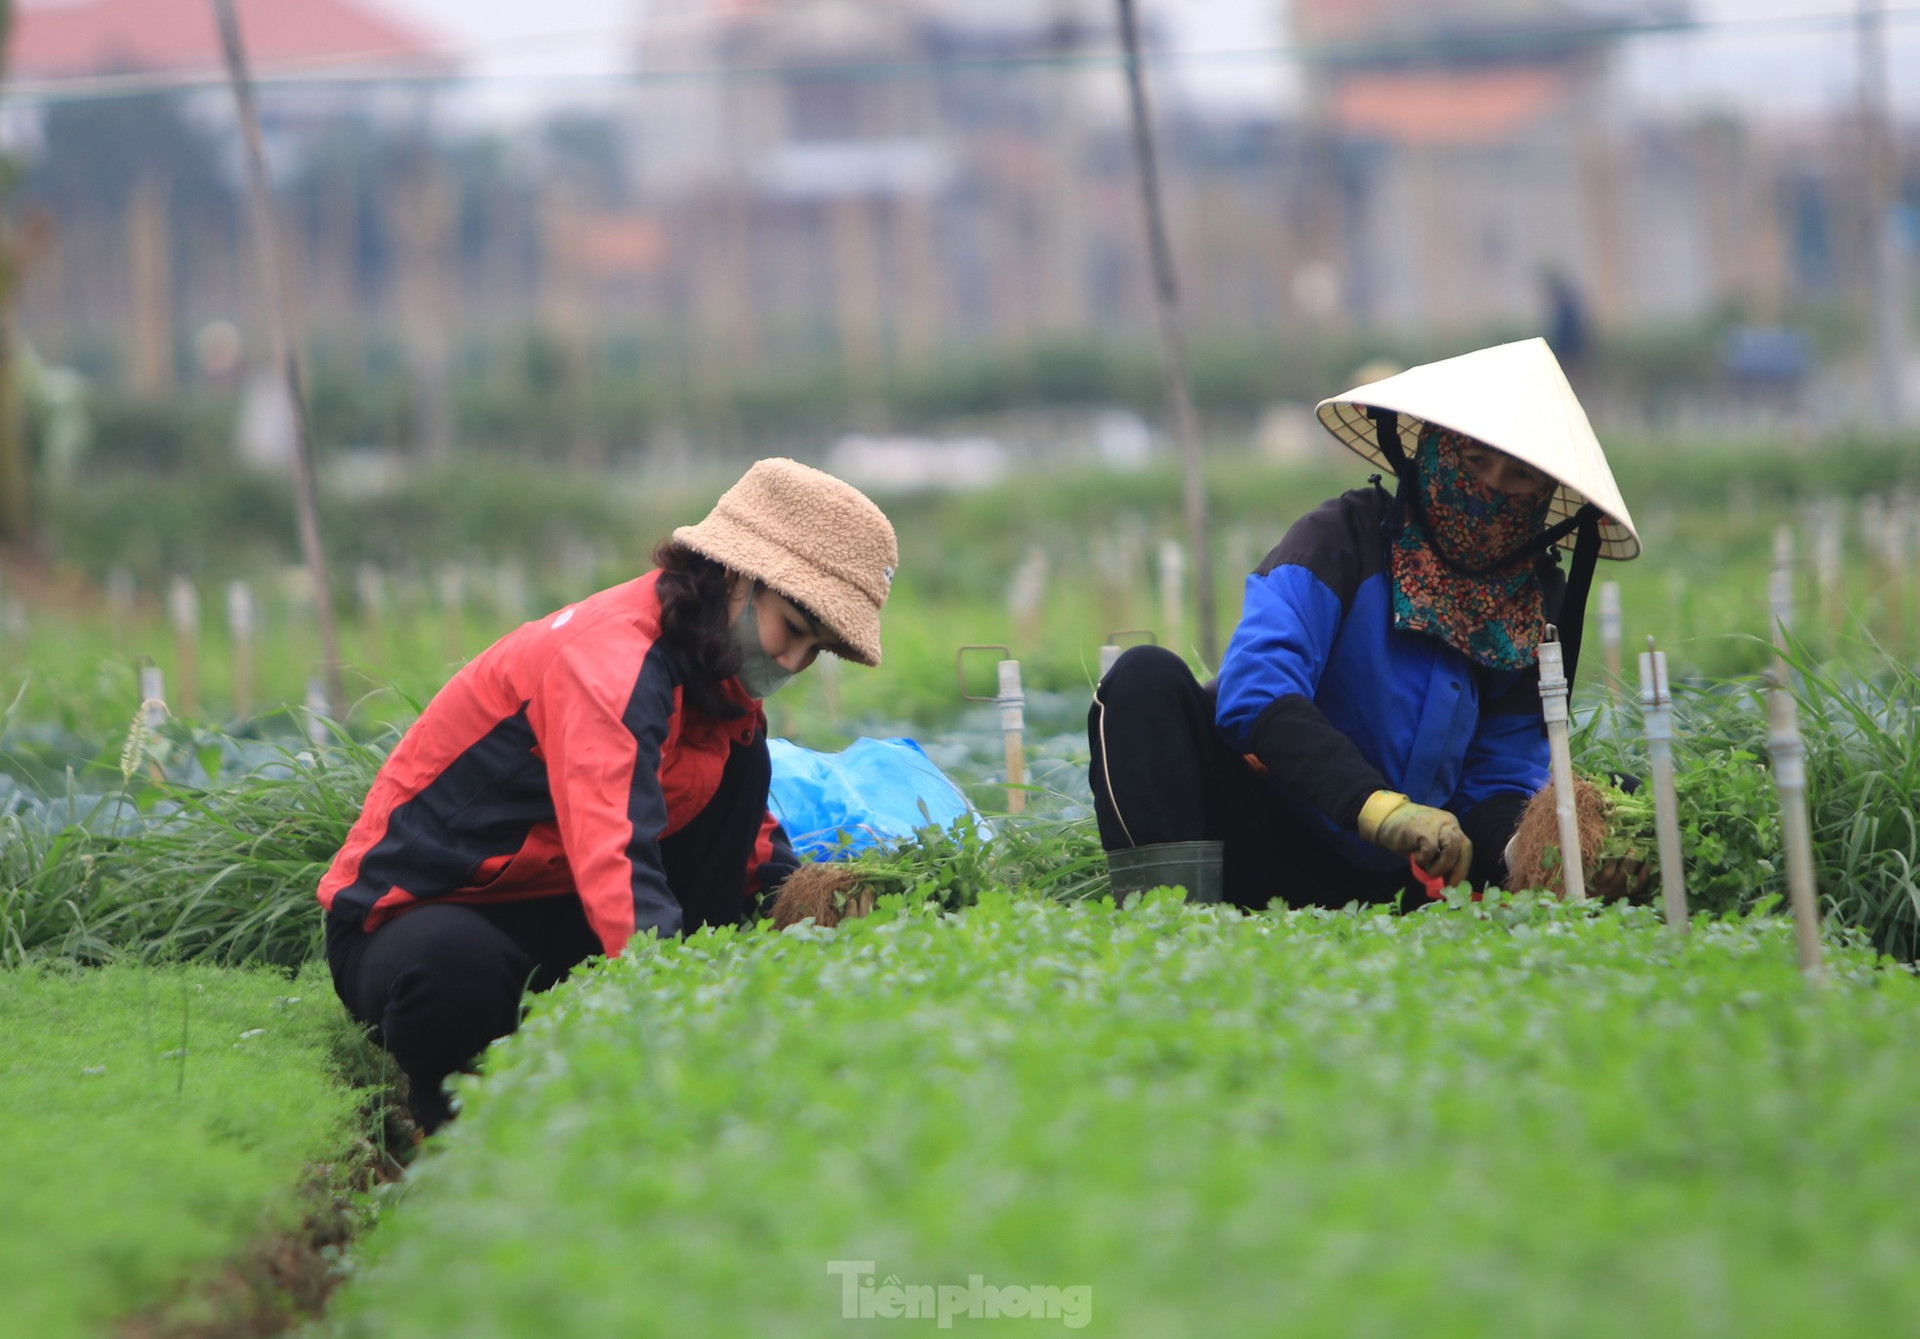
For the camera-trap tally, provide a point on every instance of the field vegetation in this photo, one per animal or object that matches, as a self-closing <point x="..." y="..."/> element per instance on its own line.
<point x="1508" y="1117"/>
<point x="158" y="1121"/>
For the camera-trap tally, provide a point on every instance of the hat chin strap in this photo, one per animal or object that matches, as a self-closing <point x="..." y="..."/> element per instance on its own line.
<point x="1570" y="618"/>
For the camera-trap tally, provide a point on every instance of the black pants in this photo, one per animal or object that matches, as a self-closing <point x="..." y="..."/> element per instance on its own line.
<point x="441" y="981"/>
<point x="1162" y="773"/>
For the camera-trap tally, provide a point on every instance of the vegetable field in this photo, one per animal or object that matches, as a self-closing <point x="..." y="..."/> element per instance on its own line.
<point x="156" y="1123"/>
<point x="1509" y="1118"/>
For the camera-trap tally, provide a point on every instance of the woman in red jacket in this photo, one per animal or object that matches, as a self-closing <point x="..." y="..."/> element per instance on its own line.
<point x="596" y="774"/>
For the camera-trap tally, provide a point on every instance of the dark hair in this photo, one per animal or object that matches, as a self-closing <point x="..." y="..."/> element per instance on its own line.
<point x="694" y="594"/>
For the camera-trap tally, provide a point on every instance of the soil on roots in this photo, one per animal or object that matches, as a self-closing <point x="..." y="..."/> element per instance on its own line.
<point x="1535" y="860"/>
<point x="825" y="893"/>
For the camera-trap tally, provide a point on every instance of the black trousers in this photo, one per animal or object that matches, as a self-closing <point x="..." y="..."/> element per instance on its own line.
<point x="1162" y="773"/>
<point x="438" y="983"/>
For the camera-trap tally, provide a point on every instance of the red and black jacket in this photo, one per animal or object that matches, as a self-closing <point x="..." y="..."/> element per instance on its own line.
<point x="552" y="764"/>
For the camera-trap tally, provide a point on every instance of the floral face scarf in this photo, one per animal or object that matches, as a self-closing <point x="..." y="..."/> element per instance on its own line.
<point x="1491" y="614"/>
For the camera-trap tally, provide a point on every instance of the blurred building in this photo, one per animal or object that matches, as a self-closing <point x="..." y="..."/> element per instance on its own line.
<point x="124" y="105"/>
<point x="1483" y="162"/>
<point x="888" y="175"/>
<point x="883" y="183"/>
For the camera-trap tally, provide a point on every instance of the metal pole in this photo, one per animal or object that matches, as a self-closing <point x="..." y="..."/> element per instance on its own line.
<point x="1553" y="706"/>
<point x="1173" y="351"/>
<point x="1656" y="710"/>
<point x="286" y="354"/>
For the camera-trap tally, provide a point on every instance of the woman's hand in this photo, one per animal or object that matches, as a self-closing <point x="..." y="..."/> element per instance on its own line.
<point x="1431" y="836"/>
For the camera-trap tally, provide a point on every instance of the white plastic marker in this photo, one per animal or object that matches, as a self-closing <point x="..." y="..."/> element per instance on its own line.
<point x="317" y="732"/>
<point x="1111" y="648"/>
<point x="153" y="694"/>
<point x="1656" y="711"/>
<point x="1013" y="716"/>
<point x="1610" y="630"/>
<point x="1553" y="706"/>
<point x="240" y="630"/>
<point x="828" y="667"/>
<point x="183" y="608"/>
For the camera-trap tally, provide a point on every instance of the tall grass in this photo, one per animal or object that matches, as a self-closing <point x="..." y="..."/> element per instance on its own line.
<point x="221" y="869"/>
<point x="217" y="857"/>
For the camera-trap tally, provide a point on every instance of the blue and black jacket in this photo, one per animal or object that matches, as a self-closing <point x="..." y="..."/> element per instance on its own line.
<point x="1334" y="704"/>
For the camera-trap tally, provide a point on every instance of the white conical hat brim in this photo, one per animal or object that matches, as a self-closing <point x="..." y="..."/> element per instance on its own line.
<point x="1513" y="397"/>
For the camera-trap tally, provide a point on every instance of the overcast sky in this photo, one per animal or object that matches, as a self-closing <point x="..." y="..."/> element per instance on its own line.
<point x="1765" y="57"/>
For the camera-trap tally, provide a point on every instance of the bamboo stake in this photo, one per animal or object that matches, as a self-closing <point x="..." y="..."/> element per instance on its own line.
<point x="1173" y="352"/>
<point x="1656" y="711"/>
<point x="1780" y="591"/>
<point x="1013" y="726"/>
<point x="240" y="630"/>
<point x="1553" y="706"/>
<point x="1788" y="753"/>
<point x="286" y="352"/>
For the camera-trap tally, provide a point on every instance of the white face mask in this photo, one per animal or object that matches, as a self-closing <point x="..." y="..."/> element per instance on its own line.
<point x="760" y="674"/>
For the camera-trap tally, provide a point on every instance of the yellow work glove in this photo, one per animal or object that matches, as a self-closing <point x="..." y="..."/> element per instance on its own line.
<point x="1431" y="836"/>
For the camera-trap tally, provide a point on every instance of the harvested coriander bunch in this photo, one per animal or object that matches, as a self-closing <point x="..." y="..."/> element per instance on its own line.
<point x="826" y="893"/>
<point x="1616" y="841"/>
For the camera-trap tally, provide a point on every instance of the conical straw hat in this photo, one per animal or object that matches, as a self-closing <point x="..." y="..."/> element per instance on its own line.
<point x="1513" y="397"/>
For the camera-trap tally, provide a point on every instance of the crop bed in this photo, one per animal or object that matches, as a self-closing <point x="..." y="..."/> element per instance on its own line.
<point x="1506" y="1118"/>
<point x="152" y="1123"/>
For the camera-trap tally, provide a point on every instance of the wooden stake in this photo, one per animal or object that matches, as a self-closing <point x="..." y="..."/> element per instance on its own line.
<point x="1173" y="350"/>
<point x="1656" y="711"/>
<point x="286" y="351"/>
<point x="1553" y="705"/>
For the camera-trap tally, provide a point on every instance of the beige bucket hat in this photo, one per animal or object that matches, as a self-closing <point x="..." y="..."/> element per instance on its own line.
<point x="815" y="539"/>
<point x="1513" y="397"/>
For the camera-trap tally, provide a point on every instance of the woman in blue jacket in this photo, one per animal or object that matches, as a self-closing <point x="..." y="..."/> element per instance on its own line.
<point x="1379" y="701"/>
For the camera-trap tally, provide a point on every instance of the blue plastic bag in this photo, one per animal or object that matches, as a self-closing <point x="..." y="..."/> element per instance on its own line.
<point x="868" y="794"/>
